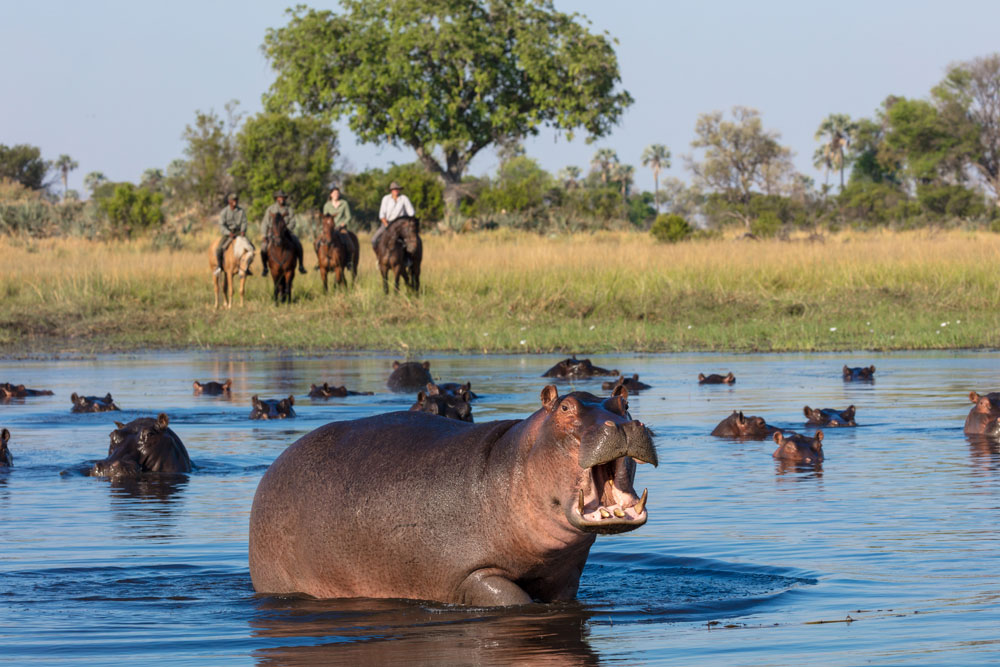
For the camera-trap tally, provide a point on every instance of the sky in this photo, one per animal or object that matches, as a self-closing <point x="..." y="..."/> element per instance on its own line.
<point x="113" y="83"/>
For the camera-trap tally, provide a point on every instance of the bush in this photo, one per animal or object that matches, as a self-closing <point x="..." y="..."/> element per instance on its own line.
<point x="765" y="225"/>
<point x="131" y="209"/>
<point x="670" y="228"/>
<point x="950" y="201"/>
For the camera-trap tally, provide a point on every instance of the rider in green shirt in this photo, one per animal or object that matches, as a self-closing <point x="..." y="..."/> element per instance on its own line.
<point x="232" y="223"/>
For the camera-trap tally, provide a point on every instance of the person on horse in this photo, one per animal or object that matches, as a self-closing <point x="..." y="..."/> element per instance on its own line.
<point x="279" y="206"/>
<point x="338" y="208"/>
<point x="394" y="205"/>
<point x="232" y="223"/>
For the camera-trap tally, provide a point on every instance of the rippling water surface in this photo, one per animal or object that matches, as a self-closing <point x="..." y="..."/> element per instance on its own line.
<point x="889" y="554"/>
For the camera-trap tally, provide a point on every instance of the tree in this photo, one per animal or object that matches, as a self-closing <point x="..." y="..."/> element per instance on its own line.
<point x="570" y="177"/>
<point x="837" y="131"/>
<point x="93" y="180"/>
<point x="623" y="174"/>
<point x="656" y="157"/>
<point x="277" y="152"/>
<point x="446" y="78"/>
<point x="65" y="164"/>
<point x="603" y="163"/>
<point x="130" y="208"/>
<point x="210" y="151"/>
<point x="521" y="185"/>
<point x="930" y="147"/>
<point x="152" y="179"/>
<point x="24" y="164"/>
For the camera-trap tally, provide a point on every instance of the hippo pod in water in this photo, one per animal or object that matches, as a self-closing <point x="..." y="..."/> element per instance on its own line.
<point x="859" y="373"/>
<point x="829" y="417"/>
<point x="632" y="384"/>
<point x="984" y="417"/>
<point x="500" y="513"/>
<point x="8" y="390"/>
<point x="272" y="408"/>
<point x="453" y="405"/>
<point x="409" y="376"/>
<point x="738" y="426"/>
<point x="796" y="448"/>
<point x="212" y="388"/>
<point x="715" y="378"/>
<point x="575" y="369"/>
<point x="93" y="403"/>
<point x="143" y="445"/>
<point x="326" y="391"/>
<point x="6" y="460"/>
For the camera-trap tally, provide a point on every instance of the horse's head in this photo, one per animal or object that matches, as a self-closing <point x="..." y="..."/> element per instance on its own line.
<point x="279" y="228"/>
<point x="329" y="228"/>
<point x="409" y="232"/>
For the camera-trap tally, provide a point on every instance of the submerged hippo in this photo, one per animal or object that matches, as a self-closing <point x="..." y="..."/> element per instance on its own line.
<point x="6" y="460"/>
<point x="409" y="376"/>
<point x="715" y="378"/>
<point x="143" y="445"/>
<point x="738" y="426"/>
<point x="575" y="369"/>
<point x="93" y="403"/>
<point x="796" y="448"/>
<point x="8" y="390"/>
<point x="272" y="408"/>
<point x="443" y="403"/>
<point x="984" y="417"/>
<point x="456" y="388"/>
<point x="859" y="373"/>
<point x="213" y="388"/>
<point x="829" y="417"/>
<point x="500" y="513"/>
<point x="632" y="384"/>
<point x="326" y="391"/>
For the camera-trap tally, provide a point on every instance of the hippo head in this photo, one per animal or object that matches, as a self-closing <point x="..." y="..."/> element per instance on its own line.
<point x="737" y="425"/>
<point x="6" y="460"/>
<point x="605" y="444"/>
<point x="7" y="390"/>
<point x="272" y="408"/>
<point x="797" y="448"/>
<point x="453" y="405"/>
<point x="93" y="403"/>
<point x="827" y="417"/>
<point x="985" y="403"/>
<point x="213" y="388"/>
<point x="859" y="373"/>
<point x="143" y="445"/>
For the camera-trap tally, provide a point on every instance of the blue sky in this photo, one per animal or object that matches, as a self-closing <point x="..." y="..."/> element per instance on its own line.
<point x="113" y="83"/>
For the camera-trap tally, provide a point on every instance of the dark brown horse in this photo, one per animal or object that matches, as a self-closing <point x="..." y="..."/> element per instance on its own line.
<point x="337" y="251"/>
<point x="400" y="250"/>
<point x="281" y="258"/>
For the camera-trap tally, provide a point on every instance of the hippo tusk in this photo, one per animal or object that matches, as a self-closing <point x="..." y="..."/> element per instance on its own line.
<point x="641" y="505"/>
<point x="579" y="502"/>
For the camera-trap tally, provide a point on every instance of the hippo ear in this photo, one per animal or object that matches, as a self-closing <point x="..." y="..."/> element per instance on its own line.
<point x="395" y="365"/>
<point x="467" y="386"/>
<point x="701" y="377"/>
<point x="433" y="389"/>
<point x="120" y="425"/>
<point x="227" y="384"/>
<point x="871" y="369"/>
<point x="427" y="365"/>
<point x="621" y="390"/>
<point x="74" y="397"/>
<point x="973" y="396"/>
<point x="549" y="396"/>
<point x="739" y="417"/>
<point x="291" y="400"/>
<point x="847" y="371"/>
<point x="4" y="436"/>
<point x="197" y="385"/>
<point x="819" y="438"/>
<point x="255" y="400"/>
<point x="107" y="398"/>
<point x="849" y="412"/>
<point x="806" y="411"/>
<point x="779" y="437"/>
<point x="162" y="420"/>
<point x="421" y="397"/>
<point x="731" y="377"/>
<point x="635" y="376"/>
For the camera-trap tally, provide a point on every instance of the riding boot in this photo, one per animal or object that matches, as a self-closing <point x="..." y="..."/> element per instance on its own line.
<point x="263" y="258"/>
<point x="218" y="259"/>
<point x="298" y="254"/>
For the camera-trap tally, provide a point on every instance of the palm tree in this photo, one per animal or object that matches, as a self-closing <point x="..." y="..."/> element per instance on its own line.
<point x="623" y="174"/>
<point x="656" y="157"/>
<point x="93" y="180"/>
<point x="837" y="131"/>
<point x="65" y="164"/>
<point x="603" y="160"/>
<point x="570" y="176"/>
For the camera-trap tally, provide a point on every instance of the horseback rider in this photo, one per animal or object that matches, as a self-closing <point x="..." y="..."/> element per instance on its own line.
<point x="394" y="205"/>
<point x="232" y="223"/>
<point x="279" y="206"/>
<point x="338" y="208"/>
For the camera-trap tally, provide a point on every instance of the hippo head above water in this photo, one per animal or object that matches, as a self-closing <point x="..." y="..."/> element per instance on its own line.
<point x="409" y="376"/>
<point x="575" y="369"/>
<point x="213" y="388"/>
<point x="456" y="388"/>
<point x="859" y="373"/>
<point x="829" y="417"/>
<point x="6" y="460"/>
<point x="8" y="390"/>
<point x="141" y="446"/>
<point x="443" y="403"/>
<point x="272" y="408"/>
<point x="93" y="403"/>
<point x="984" y="417"/>
<point x="632" y="384"/>
<point x="795" y="448"/>
<point x="738" y="426"/>
<point x="715" y="378"/>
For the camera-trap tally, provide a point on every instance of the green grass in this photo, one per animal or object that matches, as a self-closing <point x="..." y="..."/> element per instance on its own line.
<point x="503" y="292"/>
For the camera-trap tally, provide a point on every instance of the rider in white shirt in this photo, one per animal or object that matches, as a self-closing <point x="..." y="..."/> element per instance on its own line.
<point x="394" y="205"/>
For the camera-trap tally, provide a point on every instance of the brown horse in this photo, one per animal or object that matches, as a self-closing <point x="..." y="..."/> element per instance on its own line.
<point x="399" y="249"/>
<point x="337" y="251"/>
<point x="281" y="258"/>
<point x="236" y="259"/>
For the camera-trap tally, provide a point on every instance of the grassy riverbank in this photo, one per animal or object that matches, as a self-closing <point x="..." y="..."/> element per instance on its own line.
<point x="503" y="292"/>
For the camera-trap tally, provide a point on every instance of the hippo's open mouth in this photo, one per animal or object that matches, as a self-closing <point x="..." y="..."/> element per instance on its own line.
<point x="606" y="501"/>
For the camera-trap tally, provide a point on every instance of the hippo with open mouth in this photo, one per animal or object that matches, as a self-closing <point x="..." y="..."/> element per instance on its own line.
<point x="143" y="445"/>
<point x="984" y="417"/>
<point x="492" y="514"/>
<point x="272" y="408"/>
<point x="829" y="417"/>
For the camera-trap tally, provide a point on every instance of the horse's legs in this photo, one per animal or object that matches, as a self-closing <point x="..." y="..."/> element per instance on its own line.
<point x="277" y="286"/>
<point x="215" y="284"/>
<point x="289" y="277"/>
<point x="230" y="279"/>
<point x="243" y="284"/>
<point x="322" y="273"/>
<point x="385" y="278"/>
<point x="338" y="276"/>
<point x="399" y="272"/>
<point x="415" y="277"/>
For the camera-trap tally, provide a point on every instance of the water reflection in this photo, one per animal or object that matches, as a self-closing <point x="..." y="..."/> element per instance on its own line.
<point x="380" y="632"/>
<point x="146" y="507"/>
<point x="798" y="470"/>
<point x="984" y="451"/>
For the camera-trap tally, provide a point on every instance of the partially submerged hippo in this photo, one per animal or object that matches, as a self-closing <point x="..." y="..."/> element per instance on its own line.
<point x="456" y="388"/>
<point x="715" y="378"/>
<point x="738" y="426"/>
<point x="500" y="513"/>
<point x="6" y="460"/>
<point x="575" y="369"/>
<point x="443" y="403"/>
<point x="984" y="417"/>
<point x="272" y="408"/>
<point x="211" y="388"/>
<point x="93" y="403"/>
<point x="409" y="376"/>
<point x="8" y="390"/>
<point x="796" y="448"/>
<point x="859" y="373"/>
<point x="326" y="391"/>
<point x="143" y="445"/>
<point x="829" y="417"/>
<point x="632" y="384"/>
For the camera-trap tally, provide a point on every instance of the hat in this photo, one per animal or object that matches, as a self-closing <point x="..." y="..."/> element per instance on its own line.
<point x="280" y="193"/>
<point x="232" y="196"/>
<point x="395" y="186"/>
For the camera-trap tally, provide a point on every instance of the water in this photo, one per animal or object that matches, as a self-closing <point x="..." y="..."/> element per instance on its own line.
<point x="742" y="561"/>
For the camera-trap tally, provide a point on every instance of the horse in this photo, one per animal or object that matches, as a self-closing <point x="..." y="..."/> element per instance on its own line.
<point x="237" y="258"/>
<point x="337" y="251"/>
<point x="281" y="258"/>
<point x="400" y="249"/>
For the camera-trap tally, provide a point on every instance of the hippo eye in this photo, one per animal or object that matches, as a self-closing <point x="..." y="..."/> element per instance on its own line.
<point x="564" y="407"/>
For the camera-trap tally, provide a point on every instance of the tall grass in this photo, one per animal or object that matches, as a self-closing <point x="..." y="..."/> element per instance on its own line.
<point x="510" y="291"/>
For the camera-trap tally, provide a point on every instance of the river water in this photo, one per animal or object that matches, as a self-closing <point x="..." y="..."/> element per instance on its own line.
<point x="889" y="554"/>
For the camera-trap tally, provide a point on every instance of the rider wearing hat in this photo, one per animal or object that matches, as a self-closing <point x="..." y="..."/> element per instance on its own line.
<point x="279" y="206"/>
<point x="394" y="205"/>
<point x="232" y="223"/>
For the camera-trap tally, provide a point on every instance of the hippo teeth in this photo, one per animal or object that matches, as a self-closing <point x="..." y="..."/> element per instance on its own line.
<point x="580" y="503"/>
<point x="641" y="505"/>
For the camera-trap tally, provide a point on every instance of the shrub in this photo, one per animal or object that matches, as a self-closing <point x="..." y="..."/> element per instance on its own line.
<point x="670" y="228"/>
<point x="765" y="225"/>
<point x="131" y="209"/>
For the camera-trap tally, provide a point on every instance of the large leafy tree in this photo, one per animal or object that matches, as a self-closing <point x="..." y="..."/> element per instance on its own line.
<point x="932" y="147"/>
<point x="656" y="157"/>
<point x="65" y="164"/>
<point x="836" y="132"/>
<point x="446" y="78"/>
<point x="211" y="150"/>
<point x="23" y="163"/>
